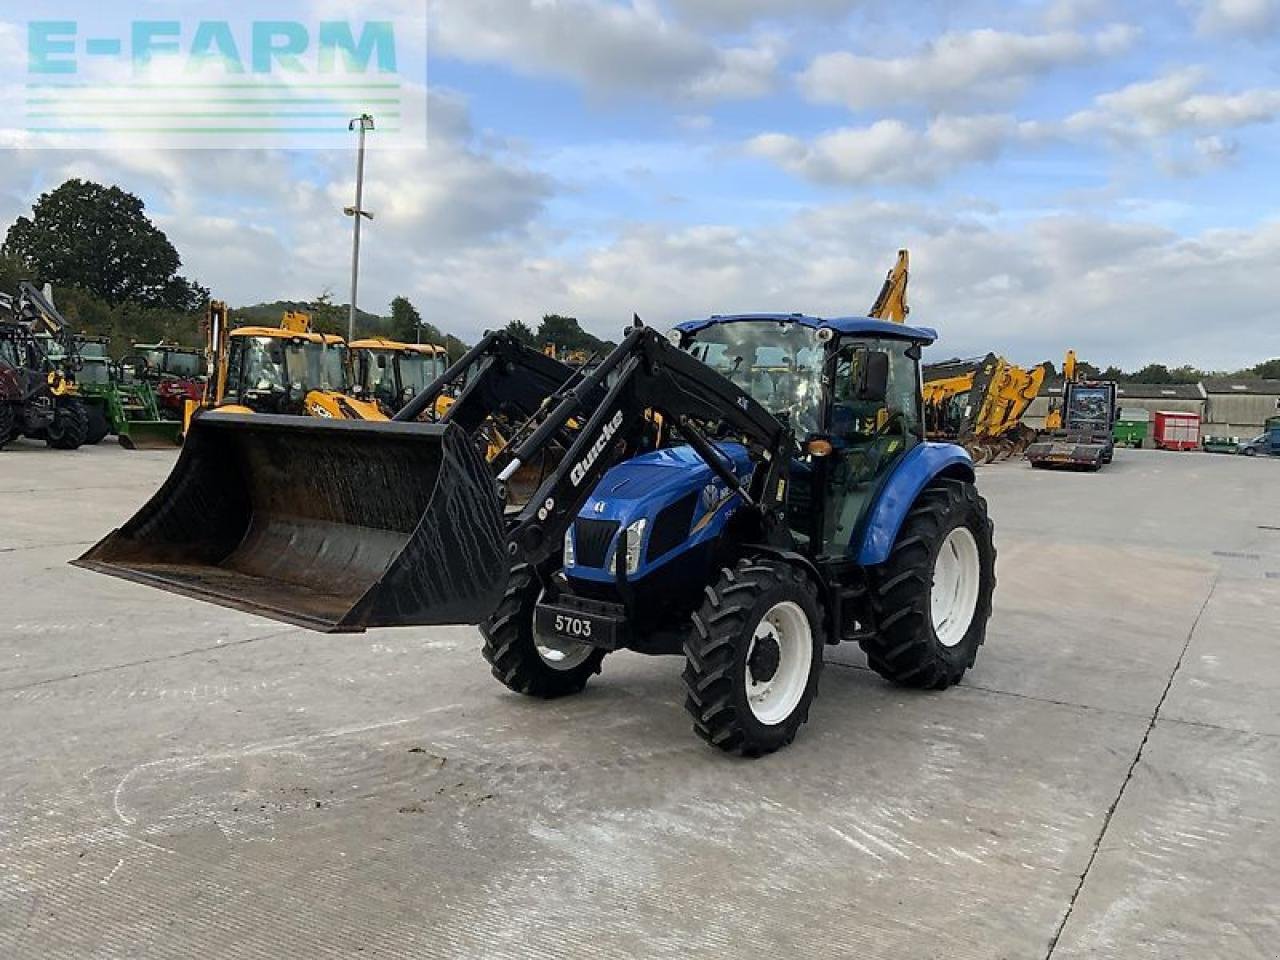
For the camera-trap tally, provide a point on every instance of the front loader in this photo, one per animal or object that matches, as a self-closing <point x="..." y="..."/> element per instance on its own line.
<point x="742" y="494"/>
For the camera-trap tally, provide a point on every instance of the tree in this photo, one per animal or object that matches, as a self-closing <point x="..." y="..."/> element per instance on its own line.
<point x="522" y="332"/>
<point x="327" y="316"/>
<point x="1153" y="373"/>
<point x="406" y="321"/>
<point x="100" y="239"/>
<point x="11" y="274"/>
<point x="1114" y="373"/>
<point x="1269" y="370"/>
<point x="568" y="336"/>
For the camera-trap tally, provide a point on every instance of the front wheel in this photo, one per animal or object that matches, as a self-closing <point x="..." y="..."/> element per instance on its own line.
<point x="8" y="422"/>
<point x="69" y="427"/>
<point x="932" y="598"/>
<point x="521" y="659"/>
<point x="753" y="658"/>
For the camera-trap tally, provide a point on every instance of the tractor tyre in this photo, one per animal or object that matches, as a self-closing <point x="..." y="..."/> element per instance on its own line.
<point x="69" y="427"/>
<point x="8" y="422"/>
<point x="932" y="598"/>
<point x="99" y="426"/>
<point x="518" y="660"/>
<point x="753" y="657"/>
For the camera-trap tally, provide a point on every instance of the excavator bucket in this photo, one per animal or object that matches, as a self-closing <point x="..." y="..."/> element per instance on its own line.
<point x="332" y="525"/>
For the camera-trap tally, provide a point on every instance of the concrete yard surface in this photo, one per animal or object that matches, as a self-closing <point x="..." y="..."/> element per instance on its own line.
<point x="179" y="780"/>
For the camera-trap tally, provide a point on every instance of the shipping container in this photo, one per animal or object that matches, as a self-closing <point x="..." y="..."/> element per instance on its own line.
<point x="1176" y="431"/>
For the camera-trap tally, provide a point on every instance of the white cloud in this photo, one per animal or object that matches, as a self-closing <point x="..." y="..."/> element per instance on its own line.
<point x="1244" y="17"/>
<point x="737" y="13"/>
<point x="609" y="48"/>
<point x="263" y="224"/>
<point x="890" y="151"/>
<point x="1062" y="14"/>
<point x="1119" y="292"/>
<point x="956" y="67"/>
<point x="1171" y="103"/>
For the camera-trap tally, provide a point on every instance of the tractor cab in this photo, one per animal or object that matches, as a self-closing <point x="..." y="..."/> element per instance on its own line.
<point x="849" y="389"/>
<point x="272" y="370"/>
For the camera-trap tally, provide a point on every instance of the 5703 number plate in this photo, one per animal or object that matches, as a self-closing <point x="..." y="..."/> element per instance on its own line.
<point x="576" y="626"/>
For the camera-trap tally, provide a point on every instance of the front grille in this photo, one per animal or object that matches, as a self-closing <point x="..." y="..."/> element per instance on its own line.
<point x="591" y="540"/>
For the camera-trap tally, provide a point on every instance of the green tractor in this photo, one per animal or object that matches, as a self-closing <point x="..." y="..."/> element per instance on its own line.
<point x="118" y="404"/>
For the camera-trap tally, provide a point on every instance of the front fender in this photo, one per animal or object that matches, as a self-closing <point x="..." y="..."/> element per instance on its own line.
<point x="915" y="471"/>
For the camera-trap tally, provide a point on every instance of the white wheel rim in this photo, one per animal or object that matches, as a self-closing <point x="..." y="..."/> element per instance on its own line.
<point x="556" y="653"/>
<point x="957" y="575"/>
<point x="773" y="700"/>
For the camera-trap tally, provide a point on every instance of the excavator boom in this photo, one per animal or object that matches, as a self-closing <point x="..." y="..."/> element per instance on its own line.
<point x="891" y="304"/>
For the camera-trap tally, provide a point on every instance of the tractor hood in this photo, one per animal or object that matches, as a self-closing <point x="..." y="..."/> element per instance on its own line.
<point x="680" y="499"/>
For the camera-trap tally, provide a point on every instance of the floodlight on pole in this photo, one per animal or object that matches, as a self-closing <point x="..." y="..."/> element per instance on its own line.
<point x="363" y="124"/>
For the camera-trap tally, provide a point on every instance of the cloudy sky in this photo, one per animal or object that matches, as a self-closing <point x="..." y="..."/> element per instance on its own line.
<point x="1082" y="173"/>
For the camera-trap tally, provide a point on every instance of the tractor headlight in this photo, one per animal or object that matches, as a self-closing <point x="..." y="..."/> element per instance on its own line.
<point x="635" y="540"/>
<point x="570" y="558"/>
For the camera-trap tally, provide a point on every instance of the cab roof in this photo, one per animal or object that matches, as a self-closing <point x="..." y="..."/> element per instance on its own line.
<point x="382" y="343"/>
<point x="848" y="326"/>
<point x="278" y="333"/>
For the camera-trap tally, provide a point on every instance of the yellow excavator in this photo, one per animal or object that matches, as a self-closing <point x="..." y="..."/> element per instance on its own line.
<point x="289" y="369"/>
<point x="980" y="405"/>
<point x="391" y="373"/>
<point x="892" y="302"/>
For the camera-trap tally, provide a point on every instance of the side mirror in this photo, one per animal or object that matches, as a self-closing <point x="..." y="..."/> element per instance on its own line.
<point x="873" y="382"/>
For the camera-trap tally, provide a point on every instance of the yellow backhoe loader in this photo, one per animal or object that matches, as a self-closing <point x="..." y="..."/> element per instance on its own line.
<point x="391" y="374"/>
<point x="288" y="369"/>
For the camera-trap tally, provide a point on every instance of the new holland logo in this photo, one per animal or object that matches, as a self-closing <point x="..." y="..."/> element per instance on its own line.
<point x="597" y="448"/>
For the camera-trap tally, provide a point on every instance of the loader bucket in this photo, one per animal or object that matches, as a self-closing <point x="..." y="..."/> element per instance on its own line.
<point x="150" y="434"/>
<point x="332" y="525"/>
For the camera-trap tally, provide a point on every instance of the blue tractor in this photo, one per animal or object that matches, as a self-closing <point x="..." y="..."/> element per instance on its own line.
<point x="742" y="492"/>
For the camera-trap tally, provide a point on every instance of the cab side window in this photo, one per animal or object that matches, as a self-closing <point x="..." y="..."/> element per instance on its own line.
<point x="869" y="435"/>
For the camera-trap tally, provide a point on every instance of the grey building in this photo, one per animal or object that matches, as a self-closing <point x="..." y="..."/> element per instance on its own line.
<point x="1240" y="407"/>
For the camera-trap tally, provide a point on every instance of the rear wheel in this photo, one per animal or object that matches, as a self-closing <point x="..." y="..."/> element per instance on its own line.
<point x="521" y="659"/>
<point x="99" y="426"/>
<point x="932" y="598"/>
<point x="69" y="427"/>
<point x="754" y="657"/>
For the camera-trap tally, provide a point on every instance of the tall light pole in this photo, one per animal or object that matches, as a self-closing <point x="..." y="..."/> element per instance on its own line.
<point x="362" y="123"/>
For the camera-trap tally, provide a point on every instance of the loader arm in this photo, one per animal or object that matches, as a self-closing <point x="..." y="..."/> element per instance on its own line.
<point x="343" y="525"/>
<point x="647" y="376"/>
<point x="500" y="375"/>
